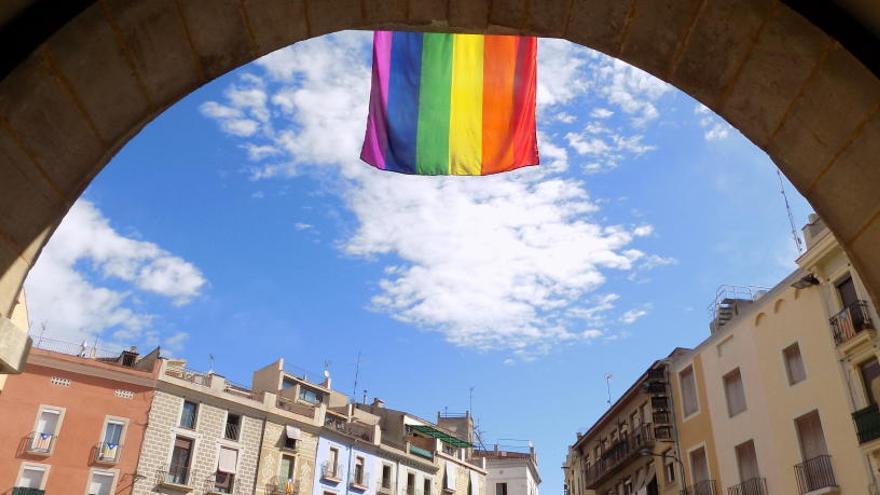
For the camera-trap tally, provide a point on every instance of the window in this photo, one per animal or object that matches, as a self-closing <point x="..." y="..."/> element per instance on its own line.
<point x="386" y="476"/>
<point x="227" y="463"/>
<point x="108" y="451"/>
<point x="699" y="465"/>
<point x="669" y="466"/>
<point x="811" y="436"/>
<point x="233" y="426"/>
<point x="101" y="483"/>
<point x="736" y="395"/>
<point x="747" y="461"/>
<point x="688" y="391"/>
<point x="333" y="461"/>
<point x="794" y="364"/>
<point x="32" y="477"/>
<point x="427" y="487"/>
<point x="628" y="486"/>
<point x="870" y="372"/>
<point x="309" y="395"/>
<point x="291" y="437"/>
<point x="846" y="289"/>
<point x="288" y="467"/>
<point x="181" y="455"/>
<point x="188" y="415"/>
<point x="500" y="488"/>
<point x="410" y="484"/>
<point x="48" y="423"/>
<point x="358" y="471"/>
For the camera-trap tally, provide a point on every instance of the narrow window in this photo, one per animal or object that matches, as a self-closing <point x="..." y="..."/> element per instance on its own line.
<point x="736" y="395"/>
<point x="811" y="436"/>
<point x="794" y="364"/>
<point x="359" y="471"/>
<point x="410" y="484"/>
<point x="699" y="465"/>
<point x="227" y="464"/>
<point x="688" y="391"/>
<point x="386" y="476"/>
<point x="101" y="483"/>
<point x="669" y="466"/>
<point x="870" y="372"/>
<point x="333" y="462"/>
<point x="47" y="430"/>
<point x="233" y="426"/>
<point x="747" y="461"/>
<point x="288" y="468"/>
<point x="309" y="395"/>
<point x="427" y="487"/>
<point x="188" y="415"/>
<point x="181" y="456"/>
<point x="108" y="451"/>
<point x="628" y="486"/>
<point x="31" y="477"/>
<point x="500" y="488"/>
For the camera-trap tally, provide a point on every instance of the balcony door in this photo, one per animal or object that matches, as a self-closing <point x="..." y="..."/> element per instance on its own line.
<point x="180" y="458"/>
<point x="747" y="462"/>
<point x="700" y="472"/>
<point x="814" y="451"/>
<point x="870" y="371"/>
<point x="846" y="289"/>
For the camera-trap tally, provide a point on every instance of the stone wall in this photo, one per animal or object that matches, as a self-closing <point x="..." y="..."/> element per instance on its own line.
<point x="270" y="459"/>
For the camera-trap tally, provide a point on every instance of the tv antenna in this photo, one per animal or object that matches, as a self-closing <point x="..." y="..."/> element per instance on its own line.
<point x="211" y="360"/>
<point x="794" y="235"/>
<point x="471" y="401"/>
<point x="608" y="377"/>
<point x="357" y="369"/>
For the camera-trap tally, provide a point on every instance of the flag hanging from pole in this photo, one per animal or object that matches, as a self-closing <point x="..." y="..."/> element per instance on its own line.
<point x="452" y="104"/>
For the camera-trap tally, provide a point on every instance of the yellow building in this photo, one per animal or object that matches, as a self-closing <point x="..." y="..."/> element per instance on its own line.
<point x="764" y="405"/>
<point x="631" y="448"/>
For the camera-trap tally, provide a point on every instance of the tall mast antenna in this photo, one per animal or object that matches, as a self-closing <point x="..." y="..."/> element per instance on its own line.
<point x="357" y="369"/>
<point x="608" y="377"/>
<point x="794" y="235"/>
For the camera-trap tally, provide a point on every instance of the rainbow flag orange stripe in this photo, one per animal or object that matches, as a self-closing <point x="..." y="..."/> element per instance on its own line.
<point x="452" y="104"/>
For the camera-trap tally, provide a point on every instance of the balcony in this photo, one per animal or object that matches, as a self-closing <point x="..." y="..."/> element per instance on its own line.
<point x="330" y="472"/>
<point x="296" y="408"/>
<point x="420" y="446"/>
<point x="27" y="491"/>
<point x="867" y="422"/>
<point x="754" y="486"/>
<point x="281" y="486"/>
<point x="232" y="430"/>
<point x="221" y="484"/>
<point x="40" y="443"/>
<point x="850" y="322"/>
<point x="107" y="453"/>
<point x="175" y="478"/>
<point x="618" y="455"/>
<point x="705" y="487"/>
<point x="354" y="429"/>
<point x="815" y="474"/>
<point x="360" y="480"/>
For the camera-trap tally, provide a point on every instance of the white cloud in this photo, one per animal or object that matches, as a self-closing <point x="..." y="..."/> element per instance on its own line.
<point x="605" y="147"/>
<point x="601" y="113"/>
<point x="633" y="315"/>
<point x="302" y="226"/>
<point x="504" y="262"/>
<point x="715" y="129"/>
<point x="565" y="118"/>
<point x="73" y="307"/>
<point x="643" y="230"/>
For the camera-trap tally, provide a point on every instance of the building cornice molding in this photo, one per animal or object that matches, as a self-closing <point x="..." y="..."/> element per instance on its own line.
<point x="91" y="369"/>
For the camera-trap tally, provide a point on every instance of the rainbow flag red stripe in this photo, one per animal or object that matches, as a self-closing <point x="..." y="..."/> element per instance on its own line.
<point x="452" y="104"/>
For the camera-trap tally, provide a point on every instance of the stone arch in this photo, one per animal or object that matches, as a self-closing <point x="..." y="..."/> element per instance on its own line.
<point x="96" y="79"/>
<point x="759" y="318"/>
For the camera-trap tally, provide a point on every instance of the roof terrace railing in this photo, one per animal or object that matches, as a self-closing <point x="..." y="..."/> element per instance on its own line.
<point x="619" y="453"/>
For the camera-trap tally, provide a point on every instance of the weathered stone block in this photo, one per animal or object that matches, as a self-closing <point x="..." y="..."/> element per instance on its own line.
<point x="385" y="11"/>
<point x="428" y="11"/>
<point x="14" y="347"/>
<point x="854" y="174"/>
<point x="717" y="46"/>
<point x="833" y="103"/>
<point x="103" y="81"/>
<point x="49" y="124"/>
<point x="156" y="38"/>
<point x="328" y="16"/>
<point x="548" y="17"/>
<point x="597" y="24"/>
<point x="219" y="34"/>
<point x="508" y="13"/>
<point x="784" y="55"/>
<point x="276" y="23"/>
<point x="469" y="15"/>
<point x="865" y="256"/>
<point x="654" y="33"/>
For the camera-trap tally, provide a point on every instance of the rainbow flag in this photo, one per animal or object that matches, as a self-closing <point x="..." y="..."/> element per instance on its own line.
<point x="452" y="104"/>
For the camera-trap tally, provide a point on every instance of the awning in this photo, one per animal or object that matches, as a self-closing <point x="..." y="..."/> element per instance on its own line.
<point x="441" y="435"/>
<point x="227" y="461"/>
<point x="645" y="479"/>
<point x="475" y="483"/>
<point x="292" y="432"/>
<point x="449" y="479"/>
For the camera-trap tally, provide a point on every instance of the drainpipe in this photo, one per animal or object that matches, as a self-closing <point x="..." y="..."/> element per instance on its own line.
<point x="675" y="438"/>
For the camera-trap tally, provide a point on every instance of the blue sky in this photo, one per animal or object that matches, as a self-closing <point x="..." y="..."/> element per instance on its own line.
<point x="241" y="224"/>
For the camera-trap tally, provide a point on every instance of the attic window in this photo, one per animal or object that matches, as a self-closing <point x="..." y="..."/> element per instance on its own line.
<point x="124" y="394"/>
<point x="61" y="382"/>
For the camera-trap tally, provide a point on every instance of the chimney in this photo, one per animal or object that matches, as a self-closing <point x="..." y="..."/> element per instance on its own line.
<point x="377" y="404"/>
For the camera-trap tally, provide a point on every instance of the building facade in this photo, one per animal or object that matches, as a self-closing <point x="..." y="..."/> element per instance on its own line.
<point x="511" y="472"/>
<point x="73" y="421"/>
<point x="631" y="448"/>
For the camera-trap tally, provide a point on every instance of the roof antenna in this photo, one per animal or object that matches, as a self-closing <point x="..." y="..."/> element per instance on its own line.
<point x="211" y="359"/>
<point x="608" y="377"/>
<point x="794" y="235"/>
<point x="357" y="369"/>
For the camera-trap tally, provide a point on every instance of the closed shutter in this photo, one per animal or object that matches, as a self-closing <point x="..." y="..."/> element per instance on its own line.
<point x="228" y="460"/>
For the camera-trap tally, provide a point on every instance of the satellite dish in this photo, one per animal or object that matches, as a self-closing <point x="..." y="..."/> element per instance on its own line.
<point x="326" y="373"/>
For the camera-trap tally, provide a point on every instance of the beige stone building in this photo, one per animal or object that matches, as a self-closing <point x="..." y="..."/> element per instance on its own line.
<point x="631" y="448"/>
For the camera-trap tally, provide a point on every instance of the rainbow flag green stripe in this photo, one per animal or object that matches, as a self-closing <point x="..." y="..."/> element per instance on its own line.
<point x="452" y="104"/>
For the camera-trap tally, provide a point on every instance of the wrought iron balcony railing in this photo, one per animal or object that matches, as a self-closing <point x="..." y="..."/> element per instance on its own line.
<point x="705" y="487"/>
<point x="618" y="454"/>
<point x="851" y="321"/>
<point x="815" y="474"/>
<point x="232" y="430"/>
<point x="359" y="479"/>
<point x="330" y="471"/>
<point x="174" y="475"/>
<point x="867" y="422"/>
<point x="107" y="453"/>
<point x="754" y="486"/>
<point x="20" y="490"/>
<point x="282" y="486"/>
<point x="40" y="443"/>
<point x="221" y="484"/>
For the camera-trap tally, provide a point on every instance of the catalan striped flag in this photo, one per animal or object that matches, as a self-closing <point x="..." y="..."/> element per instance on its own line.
<point x="452" y="104"/>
